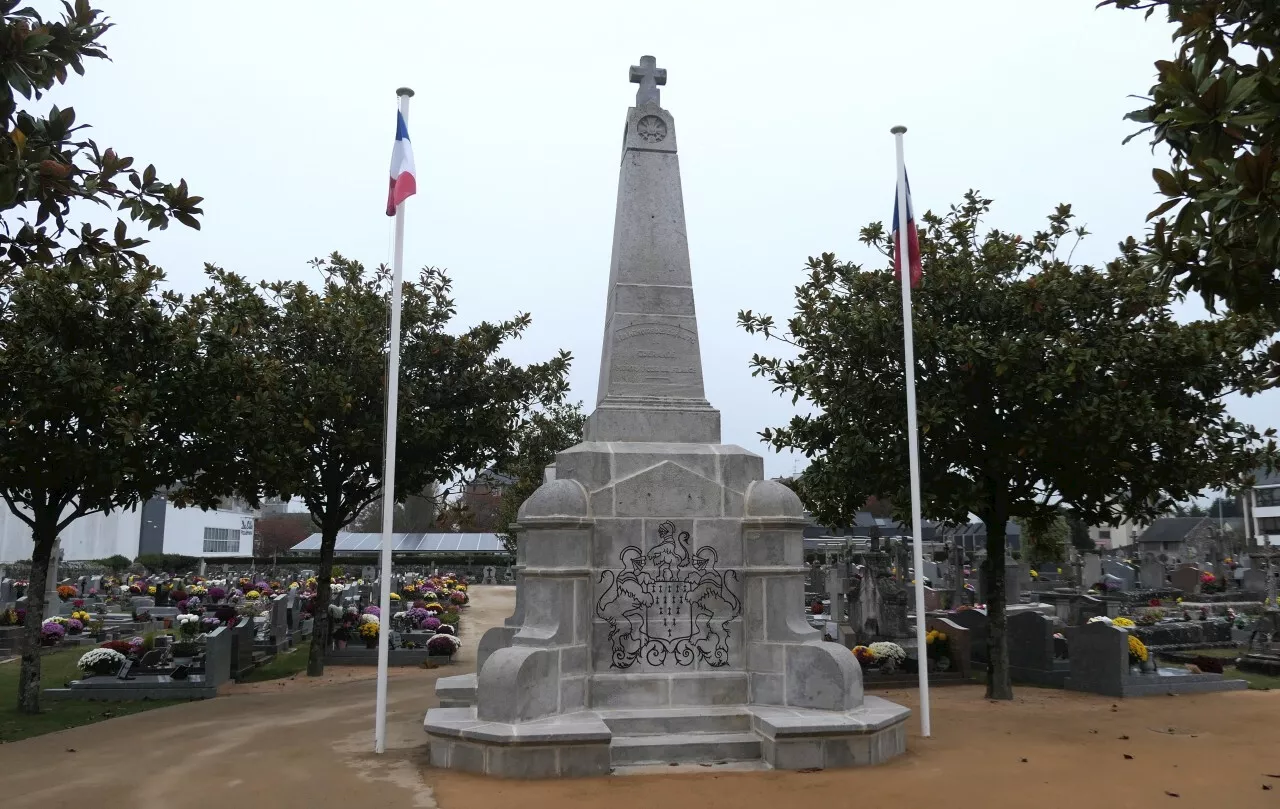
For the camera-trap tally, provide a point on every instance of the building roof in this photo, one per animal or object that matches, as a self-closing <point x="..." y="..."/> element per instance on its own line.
<point x="1171" y="529"/>
<point x="410" y="543"/>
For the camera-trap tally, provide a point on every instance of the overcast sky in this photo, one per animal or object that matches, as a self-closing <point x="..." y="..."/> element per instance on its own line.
<point x="281" y="114"/>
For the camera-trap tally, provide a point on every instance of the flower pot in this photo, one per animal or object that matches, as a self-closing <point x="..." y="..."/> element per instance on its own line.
<point x="341" y="644"/>
<point x="942" y="664"/>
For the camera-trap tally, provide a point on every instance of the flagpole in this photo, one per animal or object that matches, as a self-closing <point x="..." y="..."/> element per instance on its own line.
<point x="913" y="440"/>
<point x="389" y="469"/>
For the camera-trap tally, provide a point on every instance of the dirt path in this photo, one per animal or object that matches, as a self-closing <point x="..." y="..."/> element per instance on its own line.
<point x="299" y="740"/>
<point x="260" y="744"/>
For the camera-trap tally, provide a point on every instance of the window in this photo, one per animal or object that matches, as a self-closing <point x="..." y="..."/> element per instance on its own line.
<point x="1269" y="525"/>
<point x="1104" y="533"/>
<point x="221" y="540"/>
<point x="1267" y="497"/>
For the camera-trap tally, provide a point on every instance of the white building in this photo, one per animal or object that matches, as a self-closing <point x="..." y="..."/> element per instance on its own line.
<point x="1115" y="536"/>
<point x="156" y="527"/>
<point x="1262" y="509"/>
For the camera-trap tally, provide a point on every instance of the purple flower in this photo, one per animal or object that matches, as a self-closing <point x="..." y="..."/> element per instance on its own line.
<point x="442" y="645"/>
<point x="52" y="629"/>
<point x="431" y="622"/>
<point x="446" y="629"/>
<point x="210" y="622"/>
<point x="74" y="626"/>
<point x="372" y="610"/>
<point x="217" y="593"/>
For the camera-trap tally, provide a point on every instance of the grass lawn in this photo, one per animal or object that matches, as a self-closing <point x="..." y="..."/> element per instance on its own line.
<point x="1259" y="681"/>
<point x="57" y="669"/>
<point x="285" y="665"/>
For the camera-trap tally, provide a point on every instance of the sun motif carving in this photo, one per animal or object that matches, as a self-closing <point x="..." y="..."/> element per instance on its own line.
<point x="651" y="129"/>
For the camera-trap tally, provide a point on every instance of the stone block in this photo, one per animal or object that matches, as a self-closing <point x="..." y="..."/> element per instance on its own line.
<point x="518" y="684"/>
<point x="518" y="761"/>
<point x="611" y="537"/>
<point x="573" y="660"/>
<point x="739" y="468"/>
<point x="823" y="676"/>
<point x="630" y="691"/>
<point x="440" y="753"/>
<point x="766" y="657"/>
<point x="558" y="547"/>
<point x="650" y="298"/>
<point x="725" y="536"/>
<point x="768" y="689"/>
<point x="585" y="761"/>
<point x="632" y="458"/>
<point x="590" y="464"/>
<point x="797" y="754"/>
<point x="549" y="612"/>
<point x="465" y="757"/>
<point x="573" y="694"/>
<point x="754" y="609"/>
<point x="768" y="548"/>
<point x="668" y="490"/>
<point x="727" y="688"/>
<point x="494" y="638"/>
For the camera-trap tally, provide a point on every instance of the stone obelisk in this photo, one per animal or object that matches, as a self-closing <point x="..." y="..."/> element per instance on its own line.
<point x="659" y="605"/>
<point x="650" y="366"/>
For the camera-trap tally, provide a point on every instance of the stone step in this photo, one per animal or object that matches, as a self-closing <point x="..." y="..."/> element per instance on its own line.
<point x="458" y="691"/>
<point x="686" y="748"/>
<point x="676" y="721"/>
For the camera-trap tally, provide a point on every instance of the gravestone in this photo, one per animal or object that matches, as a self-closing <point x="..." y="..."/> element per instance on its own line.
<point x="1254" y="581"/>
<point x="368" y="573"/>
<point x="1125" y="575"/>
<point x="217" y="656"/>
<point x="242" y="648"/>
<point x="1151" y="575"/>
<point x="1092" y="570"/>
<point x="52" y="603"/>
<point x="1186" y="578"/>
<point x="663" y="573"/>
<point x="1032" y="655"/>
<point x="975" y="621"/>
<point x="6" y="593"/>
<point x="1099" y="659"/>
<point x="1086" y="607"/>
<point x="489" y="576"/>
<point x="931" y="572"/>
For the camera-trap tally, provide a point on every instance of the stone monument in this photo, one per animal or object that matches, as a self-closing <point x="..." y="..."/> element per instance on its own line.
<point x="658" y="613"/>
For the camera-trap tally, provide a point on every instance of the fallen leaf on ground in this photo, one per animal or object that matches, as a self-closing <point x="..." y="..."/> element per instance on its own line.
<point x="1172" y="794"/>
<point x="1128" y="757"/>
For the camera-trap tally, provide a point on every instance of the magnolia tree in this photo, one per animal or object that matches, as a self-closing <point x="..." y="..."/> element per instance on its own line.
<point x="541" y="436"/>
<point x="87" y="342"/>
<point x="300" y="375"/>
<point x="1214" y="106"/>
<point x="1041" y="385"/>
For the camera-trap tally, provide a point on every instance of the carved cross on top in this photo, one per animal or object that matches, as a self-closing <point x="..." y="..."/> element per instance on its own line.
<point x="648" y="75"/>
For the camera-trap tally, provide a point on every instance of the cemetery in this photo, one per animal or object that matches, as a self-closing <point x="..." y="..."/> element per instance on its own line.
<point x="621" y="602"/>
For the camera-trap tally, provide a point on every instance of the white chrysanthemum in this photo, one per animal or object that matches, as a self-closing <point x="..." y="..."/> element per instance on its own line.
<point x="368" y="619"/>
<point x="95" y="657"/>
<point x="1100" y="619"/>
<point x="885" y="650"/>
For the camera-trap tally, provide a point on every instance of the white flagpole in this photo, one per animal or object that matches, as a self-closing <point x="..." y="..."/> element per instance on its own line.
<point x="913" y="440"/>
<point x="389" y="470"/>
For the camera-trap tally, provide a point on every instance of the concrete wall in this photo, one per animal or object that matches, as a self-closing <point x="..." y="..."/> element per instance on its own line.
<point x="93" y="537"/>
<point x="1118" y="536"/>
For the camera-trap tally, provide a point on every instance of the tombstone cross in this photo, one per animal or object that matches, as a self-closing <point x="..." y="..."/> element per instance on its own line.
<point x="648" y="75"/>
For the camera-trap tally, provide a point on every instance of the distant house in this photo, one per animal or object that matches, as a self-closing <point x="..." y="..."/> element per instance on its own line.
<point x="1186" y="539"/>
<point x="973" y="536"/>
<point x="1262" y="509"/>
<point x="1115" y="536"/>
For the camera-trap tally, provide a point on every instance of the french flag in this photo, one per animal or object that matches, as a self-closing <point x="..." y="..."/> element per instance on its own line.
<point x="404" y="179"/>
<point x="913" y="242"/>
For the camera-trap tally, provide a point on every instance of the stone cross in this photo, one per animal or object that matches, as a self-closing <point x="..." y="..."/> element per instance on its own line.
<point x="649" y="76"/>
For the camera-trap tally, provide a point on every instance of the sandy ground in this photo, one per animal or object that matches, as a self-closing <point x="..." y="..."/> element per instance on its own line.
<point x="302" y="740"/>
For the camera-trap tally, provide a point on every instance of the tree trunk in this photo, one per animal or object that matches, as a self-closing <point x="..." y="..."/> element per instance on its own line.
<point x="45" y="533"/>
<point x="998" y="683"/>
<point x="320" y="633"/>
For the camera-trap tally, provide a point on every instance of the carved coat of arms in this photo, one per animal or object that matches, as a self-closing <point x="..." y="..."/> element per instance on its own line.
<point x="669" y="603"/>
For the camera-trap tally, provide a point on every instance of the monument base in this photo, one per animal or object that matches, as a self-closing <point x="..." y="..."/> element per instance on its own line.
<point x="594" y="743"/>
